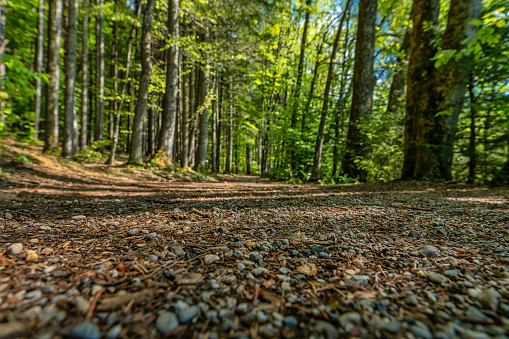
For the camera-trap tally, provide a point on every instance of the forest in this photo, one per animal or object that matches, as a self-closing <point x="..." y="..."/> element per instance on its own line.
<point x="304" y="91"/>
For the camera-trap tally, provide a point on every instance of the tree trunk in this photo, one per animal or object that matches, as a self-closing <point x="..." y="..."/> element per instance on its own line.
<point x="472" y="154"/>
<point x="84" y="79"/>
<point x="136" y="152"/>
<point x="70" y="118"/>
<point x="54" y="36"/>
<point x="363" y="86"/>
<point x="39" y="61"/>
<point x="3" y="44"/>
<point x="99" y="72"/>
<point x="248" y="158"/>
<point x="220" y="114"/>
<point x="435" y="96"/>
<point x="185" y="117"/>
<point x="166" y="138"/>
<point x="201" y="152"/>
<point x="397" y="90"/>
<point x="215" y="112"/>
<point x="191" y="112"/>
<point x="229" y="131"/>
<point x="317" y="161"/>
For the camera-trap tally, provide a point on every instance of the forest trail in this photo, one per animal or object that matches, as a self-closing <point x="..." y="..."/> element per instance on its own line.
<point x="86" y="256"/>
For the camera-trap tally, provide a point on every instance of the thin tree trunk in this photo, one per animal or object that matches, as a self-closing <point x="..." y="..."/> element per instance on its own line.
<point x="317" y="161"/>
<point x="363" y="86"/>
<point x="186" y="106"/>
<point x="215" y="112"/>
<point x="229" y="131"/>
<point x="39" y="61"/>
<point x="3" y="44"/>
<point x="151" y="131"/>
<point x="248" y="158"/>
<point x="84" y="79"/>
<point x="99" y="73"/>
<point x="190" y="113"/>
<point x="201" y="152"/>
<point x="54" y="35"/>
<point x="136" y="152"/>
<point x="472" y="154"/>
<point x="166" y="140"/>
<point x="398" y="84"/>
<point x="220" y="110"/>
<point x="70" y="118"/>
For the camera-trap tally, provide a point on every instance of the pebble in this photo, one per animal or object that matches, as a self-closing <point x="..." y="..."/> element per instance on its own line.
<point x="8" y="216"/>
<point x="474" y="314"/>
<point x="187" y="314"/>
<point x="257" y="271"/>
<point x="430" y="251"/>
<point x="33" y="294"/>
<point x="152" y="257"/>
<point x="349" y="318"/>
<point x="210" y="258"/>
<point x="472" y="334"/>
<point x="290" y="320"/>
<point x="15" y="249"/>
<point x="79" y="217"/>
<point x="133" y="231"/>
<point x="283" y="270"/>
<point x="451" y="273"/>
<point x="420" y="331"/>
<point x="414" y="234"/>
<point x="166" y="322"/>
<point x="411" y="300"/>
<point x="434" y="277"/>
<point x="113" y="332"/>
<point x="489" y="298"/>
<point x="327" y="329"/>
<point x="85" y="331"/>
<point x="255" y="257"/>
<point x="361" y="235"/>
<point x="31" y="256"/>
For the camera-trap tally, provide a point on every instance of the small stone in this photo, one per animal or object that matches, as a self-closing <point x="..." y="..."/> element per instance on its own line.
<point x="451" y="273"/>
<point x="474" y="314"/>
<point x="327" y="329"/>
<point x="31" y="256"/>
<point x="152" y="257"/>
<point x="361" y="235"/>
<point x="47" y="289"/>
<point x="210" y="258"/>
<point x="114" y="332"/>
<point x="430" y="251"/>
<point x="166" y="322"/>
<point x="258" y="271"/>
<point x="290" y="320"/>
<point x="411" y="300"/>
<point x="133" y="231"/>
<point x="85" y="331"/>
<point x="187" y="314"/>
<point x="8" y="216"/>
<point x="442" y="232"/>
<point x="268" y="331"/>
<point x="283" y="270"/>
<point x="152" y="235"/>
<point x="434" y="277"/>
<point x="420" y="331"/>
<point x="414" y="234"/>
<point x="33" y="294"/>
<point x="349" y="318"/>
<point x="15" y="249"/>
<point x="82" y="304"/>
<point x="178" y="251"/>
<point x="255" y="257"/>
<point x="47" y="251"/>
<point x="324" y="255"/>
<point x="489" y="298"/>
<point x="472" y="334"/>
<point x="79" y="217"/>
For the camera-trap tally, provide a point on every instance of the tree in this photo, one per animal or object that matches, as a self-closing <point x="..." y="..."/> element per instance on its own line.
<point x="136" y="151"/>
<point x="99" y="72"/>
<point x="435" y="96"/>
<point x="39" y="61"/>
<point x="166" y="139"/>
<point x="84" y="79"/>
<point x="201" y="152"/>
<point x="363" y="86"/>
<point x="54" y="36"/>
<point x="70" y="119"/>
<point x="317" y="161"/>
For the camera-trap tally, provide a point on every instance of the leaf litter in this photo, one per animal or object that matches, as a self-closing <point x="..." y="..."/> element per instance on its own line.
<point x="246" y="259"/>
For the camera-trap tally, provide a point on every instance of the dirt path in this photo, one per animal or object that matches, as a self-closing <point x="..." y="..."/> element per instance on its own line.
<point x="87" y="256"/>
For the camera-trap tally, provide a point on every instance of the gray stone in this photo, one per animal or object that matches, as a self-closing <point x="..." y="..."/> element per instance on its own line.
<point x="133" y="231"/>
<point x="471" y="334"/>
<point x="187" y="314"/>
<point x="420" y="331"/>
<point x="451" y="273"/>
<point x="178" y="251"/>
<point x="255" y="257"/>
<point x="474" y="314"/>
<point x="430" y="251"/>
<point x="268" y="331"/>
<point x="283" y="270"/>
<point x="489" y="298"/>
<point x="15" y="249"/>
<point x="290" y="320"/>
<point x="327" y="329"/>
<point x="85" y="331"/>
<point x="349" y="318"/>
<point x="211" y="258"/>
<point x="412" y="300"/>
<point x="361" y="235"/>
<point x="435" y="277"/>
<point x="166" y="322"/>
<point x="152" y="257"/>
<point x="414" y="234"/>
<point x="33" y="294"/>
<point x="114" y="332"/>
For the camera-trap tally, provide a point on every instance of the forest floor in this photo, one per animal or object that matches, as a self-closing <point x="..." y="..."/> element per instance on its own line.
<point x="88" y="254"/>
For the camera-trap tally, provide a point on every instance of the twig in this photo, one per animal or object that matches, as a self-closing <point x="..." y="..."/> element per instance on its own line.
<point x="94" y="303"/>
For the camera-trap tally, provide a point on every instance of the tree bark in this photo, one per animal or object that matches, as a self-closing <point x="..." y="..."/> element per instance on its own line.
<point x="185" y="117"/>
<point x="472" y="154"/>
<point x="136" y="152"/>
<point x="39" y="61"/>
<point x="70" y="119"/>
<point x="317" y="161"/>
<point x="398" y="84"/>
<point x="363" y="86"/>
<point x="201" y="152"/>
<point x="54" y="36"/>
<point x="84" y="78"/>
<point x="229" y="131"/>
<point x="3" y="43"/>
<point x="166" y="138"/>
<point x="99" y="72"/>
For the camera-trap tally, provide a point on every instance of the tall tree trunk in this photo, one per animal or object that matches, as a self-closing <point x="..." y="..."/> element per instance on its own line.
<point x="70" y="118"/>
<point x="201" y="152"/>
<point x="99" y="72"/>
<point x="363" y="86"/>
<point x="298" y="85"/>
<point x="397" y="90"/>
<point x="119" y="105"/>
<point x="248" y="158"/>
<point x="472" y="154"/>
<point x="84" y="78"/>
<point x="136" y="152"/>
<point x="220" y="114"/>
<point x="151" y="131"/>
<point x="435" y="96"/>
<point x="185" y="123"/>
<point x="54" y="36"/>
<point x="166" y="140"/>
<point x="229" y="131"/>
<point x="39" y="61"/>
<point x="317" y="161"/>
<point x="215" y="112"/>
<point x="191" y="112"/>
<point x="3" y="44"/>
